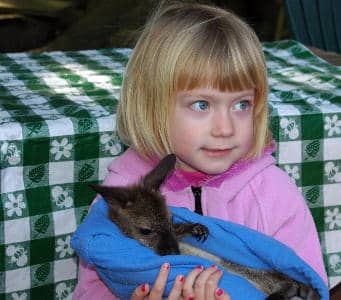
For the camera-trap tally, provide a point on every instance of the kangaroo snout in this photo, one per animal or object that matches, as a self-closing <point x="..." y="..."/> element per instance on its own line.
<point x="168" y="246"/>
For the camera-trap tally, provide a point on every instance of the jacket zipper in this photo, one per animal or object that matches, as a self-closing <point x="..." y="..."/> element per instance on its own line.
<point x="196" y="190"/>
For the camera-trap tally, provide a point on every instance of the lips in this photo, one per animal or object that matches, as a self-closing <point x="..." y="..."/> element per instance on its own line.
<point x="216" y="152"/>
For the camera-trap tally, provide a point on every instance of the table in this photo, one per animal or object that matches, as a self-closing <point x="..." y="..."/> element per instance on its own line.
<point x="331" y="57"/>
<point x="56" y="136"/>
<point x="57" y="119"/>
<point x="305" y="117"/>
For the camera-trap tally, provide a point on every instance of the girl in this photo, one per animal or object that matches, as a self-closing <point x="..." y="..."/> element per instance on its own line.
<point x="196" y="86"/>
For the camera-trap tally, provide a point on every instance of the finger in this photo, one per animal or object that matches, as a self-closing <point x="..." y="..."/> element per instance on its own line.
<point x="187" y="289"/>
<point x="221" y="295"/>
<point x="158" y="288"/>
<point x="176" y="291"/>
<point x="140" y="292"/>
<point x="211" y="284"/>
<point x="205" y="285"/>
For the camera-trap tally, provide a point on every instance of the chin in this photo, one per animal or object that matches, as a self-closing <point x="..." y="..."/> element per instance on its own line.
<point x="215" y="170"/>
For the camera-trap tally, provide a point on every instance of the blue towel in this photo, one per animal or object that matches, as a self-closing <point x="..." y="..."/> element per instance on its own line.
<point x="123" y="263"/>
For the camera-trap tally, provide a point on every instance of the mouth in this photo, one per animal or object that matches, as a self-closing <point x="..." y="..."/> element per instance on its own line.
<point x="216" y="152"/>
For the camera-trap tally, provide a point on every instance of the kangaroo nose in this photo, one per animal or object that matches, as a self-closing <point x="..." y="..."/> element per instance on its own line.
<point x="168" y="246"/>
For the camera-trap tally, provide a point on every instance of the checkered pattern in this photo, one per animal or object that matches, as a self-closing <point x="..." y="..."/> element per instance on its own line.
<point x="56" y="135"/>
<point x="57" y="116"/>
<point x="305" y="105"/>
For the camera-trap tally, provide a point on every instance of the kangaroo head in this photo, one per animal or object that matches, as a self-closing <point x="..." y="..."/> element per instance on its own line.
<point x="140" y="210"/>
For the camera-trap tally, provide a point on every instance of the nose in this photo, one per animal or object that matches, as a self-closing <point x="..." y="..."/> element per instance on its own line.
<point x="222" y="124"/>
<point x="168" y="245"/>
<point x="168" y="250"/>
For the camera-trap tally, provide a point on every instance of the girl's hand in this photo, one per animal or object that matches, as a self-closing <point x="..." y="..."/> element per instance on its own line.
<point x="144" y="292"/>
<point x="199" y="284"/>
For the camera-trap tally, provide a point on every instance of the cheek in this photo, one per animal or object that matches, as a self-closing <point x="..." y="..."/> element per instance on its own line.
<point x="179" y="131"/>
<point x="180" y="127"/>
<point x="244" y="129"/>
<point x="248" y="135"/>
<point x="185" y="136"/>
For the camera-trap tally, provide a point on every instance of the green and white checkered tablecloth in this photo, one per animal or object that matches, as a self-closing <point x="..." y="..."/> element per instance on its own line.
<point x="57" y="116"/>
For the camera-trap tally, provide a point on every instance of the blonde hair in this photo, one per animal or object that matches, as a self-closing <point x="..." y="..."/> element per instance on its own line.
<point x="184" y="46"/>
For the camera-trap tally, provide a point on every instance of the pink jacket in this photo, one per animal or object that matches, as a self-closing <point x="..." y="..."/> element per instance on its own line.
<point x="255" y="193"/>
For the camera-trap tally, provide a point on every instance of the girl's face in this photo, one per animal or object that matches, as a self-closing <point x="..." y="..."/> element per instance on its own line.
<point x="210" y="130"/>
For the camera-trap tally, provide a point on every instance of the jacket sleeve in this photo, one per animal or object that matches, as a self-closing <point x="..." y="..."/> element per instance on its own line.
<point x="287" y="218"/>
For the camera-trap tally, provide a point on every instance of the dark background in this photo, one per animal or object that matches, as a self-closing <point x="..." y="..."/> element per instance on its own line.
<point x="46" y="25"/>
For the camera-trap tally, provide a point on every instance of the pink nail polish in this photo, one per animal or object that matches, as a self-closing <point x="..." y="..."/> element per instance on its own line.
<point x="166" y="266"/>
<point x="143" y="288"/>
<point x="191" y="298"/>
<point x="200" y="267"/>
<point x="181" y="278"/>
<point x="219" y="292"/>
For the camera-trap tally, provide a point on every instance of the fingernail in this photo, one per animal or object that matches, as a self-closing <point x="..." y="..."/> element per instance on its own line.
<point x="219" y="292"/>
<point x="191" y="298"/>
<point x="213" y="266"/>
<point x="200" y="267"/>
<point x="166" y="266"/>
<point x="181" y="278"/>
<point x="144" y="287"/>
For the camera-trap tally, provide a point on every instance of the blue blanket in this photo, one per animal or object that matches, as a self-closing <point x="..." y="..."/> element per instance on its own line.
<point x="123" y="263"/>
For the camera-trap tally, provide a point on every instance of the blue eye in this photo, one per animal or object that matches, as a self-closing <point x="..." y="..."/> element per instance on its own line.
<point x="242" y="105"/>
<point x="200" y="105"/>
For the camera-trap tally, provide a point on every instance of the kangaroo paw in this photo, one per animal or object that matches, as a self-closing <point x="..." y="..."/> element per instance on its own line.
<point x="200" y="232"/>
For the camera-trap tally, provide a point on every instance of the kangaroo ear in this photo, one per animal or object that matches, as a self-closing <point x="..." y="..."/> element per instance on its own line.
<point x="157" y="176"/>
<point x="117" y="196"/>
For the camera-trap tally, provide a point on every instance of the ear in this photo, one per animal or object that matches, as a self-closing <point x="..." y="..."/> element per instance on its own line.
<point x="157" y="176"/>
<point x="117" y="196"/>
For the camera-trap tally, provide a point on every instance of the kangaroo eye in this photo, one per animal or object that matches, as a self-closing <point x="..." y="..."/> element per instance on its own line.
<point x="145" y="231"/>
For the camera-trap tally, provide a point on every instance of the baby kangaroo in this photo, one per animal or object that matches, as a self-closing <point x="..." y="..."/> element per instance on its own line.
<point x="140" y="212"/>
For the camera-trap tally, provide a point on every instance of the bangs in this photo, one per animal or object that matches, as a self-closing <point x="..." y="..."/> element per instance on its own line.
<point x="222" y="62"/>
<point x="221" y="74"/>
